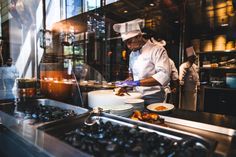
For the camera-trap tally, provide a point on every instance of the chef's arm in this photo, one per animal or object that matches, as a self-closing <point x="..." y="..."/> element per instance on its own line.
<point x="182" y="72"/>
<point x="149" y="82"/>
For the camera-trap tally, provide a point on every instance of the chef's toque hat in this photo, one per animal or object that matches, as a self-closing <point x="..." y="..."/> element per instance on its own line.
<point x="129" y="29"/>
<point x="190" y="51"/>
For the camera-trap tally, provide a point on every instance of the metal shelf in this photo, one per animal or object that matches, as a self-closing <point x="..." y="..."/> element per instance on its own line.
<point x="218" y="68"/>
<point x="217" y="52"/>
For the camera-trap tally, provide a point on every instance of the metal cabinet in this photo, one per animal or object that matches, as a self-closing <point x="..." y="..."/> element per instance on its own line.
<point x="220" y="100"/>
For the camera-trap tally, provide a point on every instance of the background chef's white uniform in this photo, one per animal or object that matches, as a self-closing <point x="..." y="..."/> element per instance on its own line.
<point x="189" y="80"/>
<point x="174" y="76"/>
<point x="150" y="61"/>
<point x="174" y="72"/>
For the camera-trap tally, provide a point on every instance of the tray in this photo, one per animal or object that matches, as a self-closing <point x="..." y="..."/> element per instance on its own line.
<point x="155" y="139"/>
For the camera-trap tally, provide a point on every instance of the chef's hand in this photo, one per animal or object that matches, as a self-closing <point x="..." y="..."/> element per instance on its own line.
<point x="127" y="83"/>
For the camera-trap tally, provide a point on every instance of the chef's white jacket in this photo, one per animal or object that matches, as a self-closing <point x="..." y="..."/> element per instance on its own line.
<point x="150" y="61"/>
<point x="174" y="72"/>
<point x="9" y="72"/>
<point x="188" y="77"/>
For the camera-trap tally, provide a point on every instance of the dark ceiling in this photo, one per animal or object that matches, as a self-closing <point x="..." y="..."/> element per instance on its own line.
<point x="166" y="18"/>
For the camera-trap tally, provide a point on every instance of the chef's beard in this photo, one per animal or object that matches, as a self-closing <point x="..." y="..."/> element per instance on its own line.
<point x="136" y="49"/>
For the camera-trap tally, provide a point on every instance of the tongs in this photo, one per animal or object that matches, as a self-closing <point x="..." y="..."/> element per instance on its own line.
<point x="88" y="121"/>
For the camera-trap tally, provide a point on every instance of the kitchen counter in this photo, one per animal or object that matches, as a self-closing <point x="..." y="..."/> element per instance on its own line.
<point x="204" y="117"/>
<point x="199" y="123"/>
<point x="220" y="128"/>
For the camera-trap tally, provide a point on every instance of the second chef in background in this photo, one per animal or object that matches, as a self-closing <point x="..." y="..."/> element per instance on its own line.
<point x="189" y="81"/>
<point x="149" y="67"/>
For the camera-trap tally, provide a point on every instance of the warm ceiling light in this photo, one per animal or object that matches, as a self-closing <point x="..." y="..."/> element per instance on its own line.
<point x="125" y="11"/>
<point x="176" y="21"/>
<point x="224" y="24"/>
<point x="152" y="4"/>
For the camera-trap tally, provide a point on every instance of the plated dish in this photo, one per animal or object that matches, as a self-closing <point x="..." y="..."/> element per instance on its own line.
<point x="160" y="107"/>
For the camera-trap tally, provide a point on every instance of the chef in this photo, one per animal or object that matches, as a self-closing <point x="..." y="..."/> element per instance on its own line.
<point x="149" y="67"/>
<point x="9" y="74"/>
<point x="189" y="81"/>
<point x="171" y="88"/>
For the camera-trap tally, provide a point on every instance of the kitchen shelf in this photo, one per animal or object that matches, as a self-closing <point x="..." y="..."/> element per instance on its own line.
<point x="218" y="68"/>
<point x="216" y="52"/>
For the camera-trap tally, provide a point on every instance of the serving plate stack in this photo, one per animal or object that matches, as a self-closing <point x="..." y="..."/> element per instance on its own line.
<point x="122" y="110"/>
<point x="138" y="104"/>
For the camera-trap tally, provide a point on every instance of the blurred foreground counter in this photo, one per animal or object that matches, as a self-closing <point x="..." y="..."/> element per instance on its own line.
<point x="46" y="139"/>
<point x="221" y="128"/>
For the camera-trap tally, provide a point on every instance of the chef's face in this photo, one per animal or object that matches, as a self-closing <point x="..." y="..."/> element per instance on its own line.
<point x="192" y="59"/>
<point x="134" y="43"/>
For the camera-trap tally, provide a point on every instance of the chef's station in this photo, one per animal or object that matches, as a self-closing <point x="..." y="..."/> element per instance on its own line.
<point x="66" y="99"/>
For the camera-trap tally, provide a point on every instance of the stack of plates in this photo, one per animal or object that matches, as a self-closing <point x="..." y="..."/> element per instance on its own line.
<point x="122" y="110"/>
<point x="138" y="104"/>
<point x="207" y="45"/>
<point x="230" y="45"/>
<point x="219" y="42"/>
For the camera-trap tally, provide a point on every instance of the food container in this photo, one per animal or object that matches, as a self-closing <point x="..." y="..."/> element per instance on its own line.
<point x="35" y="112"/>
<point x="231" y="80"/>
<point x="26" y="87"/>
<point x="27" y="115"/>
<point x="116" y="136"/>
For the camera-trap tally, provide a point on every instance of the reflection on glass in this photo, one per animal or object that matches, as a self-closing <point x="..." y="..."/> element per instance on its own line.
<point x="85" y="72"/>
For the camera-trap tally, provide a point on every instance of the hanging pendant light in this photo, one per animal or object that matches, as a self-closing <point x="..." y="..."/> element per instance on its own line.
<point x="67" y="37"/>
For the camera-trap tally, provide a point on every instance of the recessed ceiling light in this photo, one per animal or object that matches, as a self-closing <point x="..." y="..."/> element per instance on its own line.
<point x="125" y="11"/>
<point x="152" y="4"/>
<point x="176" y="21"/>
<point x="224" y="24"/>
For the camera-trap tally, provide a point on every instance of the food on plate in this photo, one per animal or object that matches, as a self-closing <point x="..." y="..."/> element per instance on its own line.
<point x="136" y="115"/>
<point x="161" y="108"/>
<point x="121" y="91"/>
<point x="150" y="116"/>
<point x="147" y="117"/>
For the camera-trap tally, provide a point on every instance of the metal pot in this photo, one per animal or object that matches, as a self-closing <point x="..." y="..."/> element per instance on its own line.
<point x="26" y="87"/>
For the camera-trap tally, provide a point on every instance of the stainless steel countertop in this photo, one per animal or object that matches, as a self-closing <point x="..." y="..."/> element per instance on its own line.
<point x="220" y="128"/>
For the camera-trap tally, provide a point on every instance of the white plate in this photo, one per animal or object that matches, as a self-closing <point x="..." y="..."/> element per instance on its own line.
<point x="152" y="107"/>
<point x="134" y="101"/>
